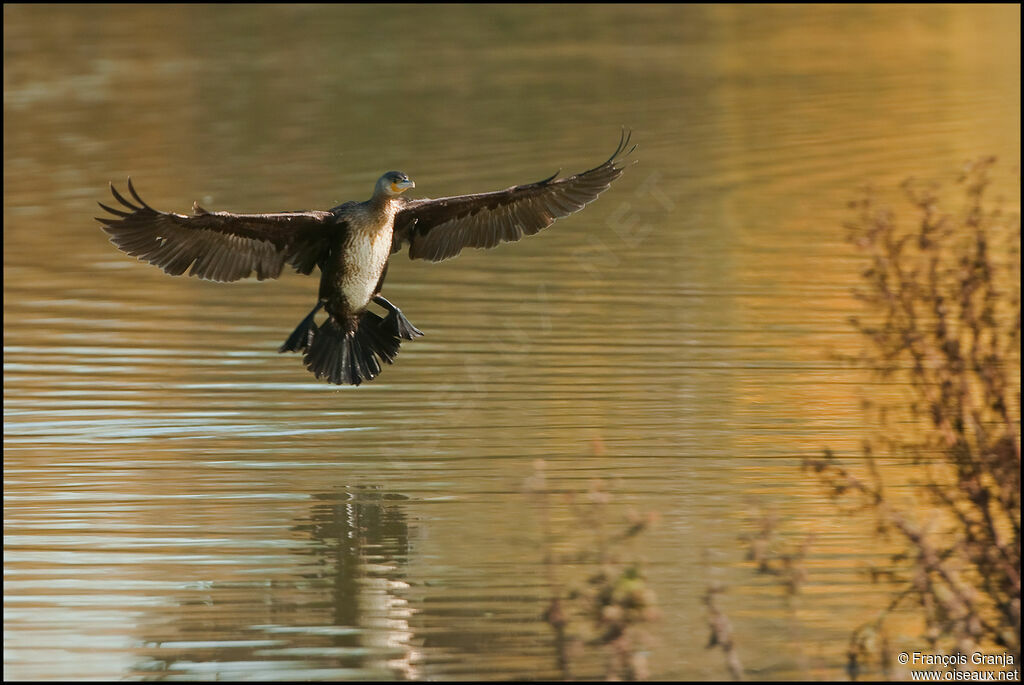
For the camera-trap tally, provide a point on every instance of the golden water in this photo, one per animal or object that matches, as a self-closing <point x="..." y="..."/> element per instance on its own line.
<point x="182" y="501"/>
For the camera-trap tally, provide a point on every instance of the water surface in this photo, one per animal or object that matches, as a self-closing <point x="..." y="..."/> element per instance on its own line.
<point x="180" y="501"/>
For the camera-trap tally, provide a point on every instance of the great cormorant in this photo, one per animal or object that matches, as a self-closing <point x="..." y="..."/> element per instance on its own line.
<point x="351" y="244"/>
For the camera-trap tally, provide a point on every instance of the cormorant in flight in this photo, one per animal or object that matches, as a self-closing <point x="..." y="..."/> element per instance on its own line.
<point x="351" y="245"/>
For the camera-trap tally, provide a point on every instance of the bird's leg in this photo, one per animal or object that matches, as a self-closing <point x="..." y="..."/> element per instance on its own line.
<point x="400" y="325"/>
<point x="302" y="337"/>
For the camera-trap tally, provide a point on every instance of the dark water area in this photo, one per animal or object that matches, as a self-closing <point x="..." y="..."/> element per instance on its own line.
<point x="183" y="502"/>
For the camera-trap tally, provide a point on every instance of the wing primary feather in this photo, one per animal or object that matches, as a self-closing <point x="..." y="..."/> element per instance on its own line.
<point x="131" y="189"/>
<point x="550" y="178"/>
<point x="115" y="212"/>
<point x="120" y="198"/>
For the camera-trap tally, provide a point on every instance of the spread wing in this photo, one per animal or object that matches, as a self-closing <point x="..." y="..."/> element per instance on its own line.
<point x="219" y="246"/>
<point x="439" y="229"/>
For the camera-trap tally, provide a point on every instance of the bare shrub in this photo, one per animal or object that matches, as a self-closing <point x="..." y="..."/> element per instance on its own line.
<point x="942" y="294"/>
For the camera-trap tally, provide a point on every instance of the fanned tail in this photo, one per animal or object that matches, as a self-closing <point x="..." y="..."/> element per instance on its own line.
<point x="346" y="357"/>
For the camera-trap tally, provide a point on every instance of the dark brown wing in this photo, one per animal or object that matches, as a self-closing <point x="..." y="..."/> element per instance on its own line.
<point x="439" y="229"/>
<point x="219" y="246"/>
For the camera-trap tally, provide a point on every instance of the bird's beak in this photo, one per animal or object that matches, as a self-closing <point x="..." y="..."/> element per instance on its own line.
<point x="402" y="186"/>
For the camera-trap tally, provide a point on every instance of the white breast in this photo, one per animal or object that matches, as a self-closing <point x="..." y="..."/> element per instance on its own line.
<point x="365" y="257"/>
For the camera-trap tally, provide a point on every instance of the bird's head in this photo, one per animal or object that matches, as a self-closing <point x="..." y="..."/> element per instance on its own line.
<point x="393" y="184"/>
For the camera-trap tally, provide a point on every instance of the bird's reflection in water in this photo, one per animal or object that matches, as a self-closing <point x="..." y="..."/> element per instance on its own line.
<point x="363" y="538"/>
<point x="247" y="610"/>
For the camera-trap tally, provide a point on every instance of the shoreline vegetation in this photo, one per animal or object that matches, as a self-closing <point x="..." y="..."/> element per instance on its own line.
<point x="942" y="289"/>
<point x="941" y="294"/>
